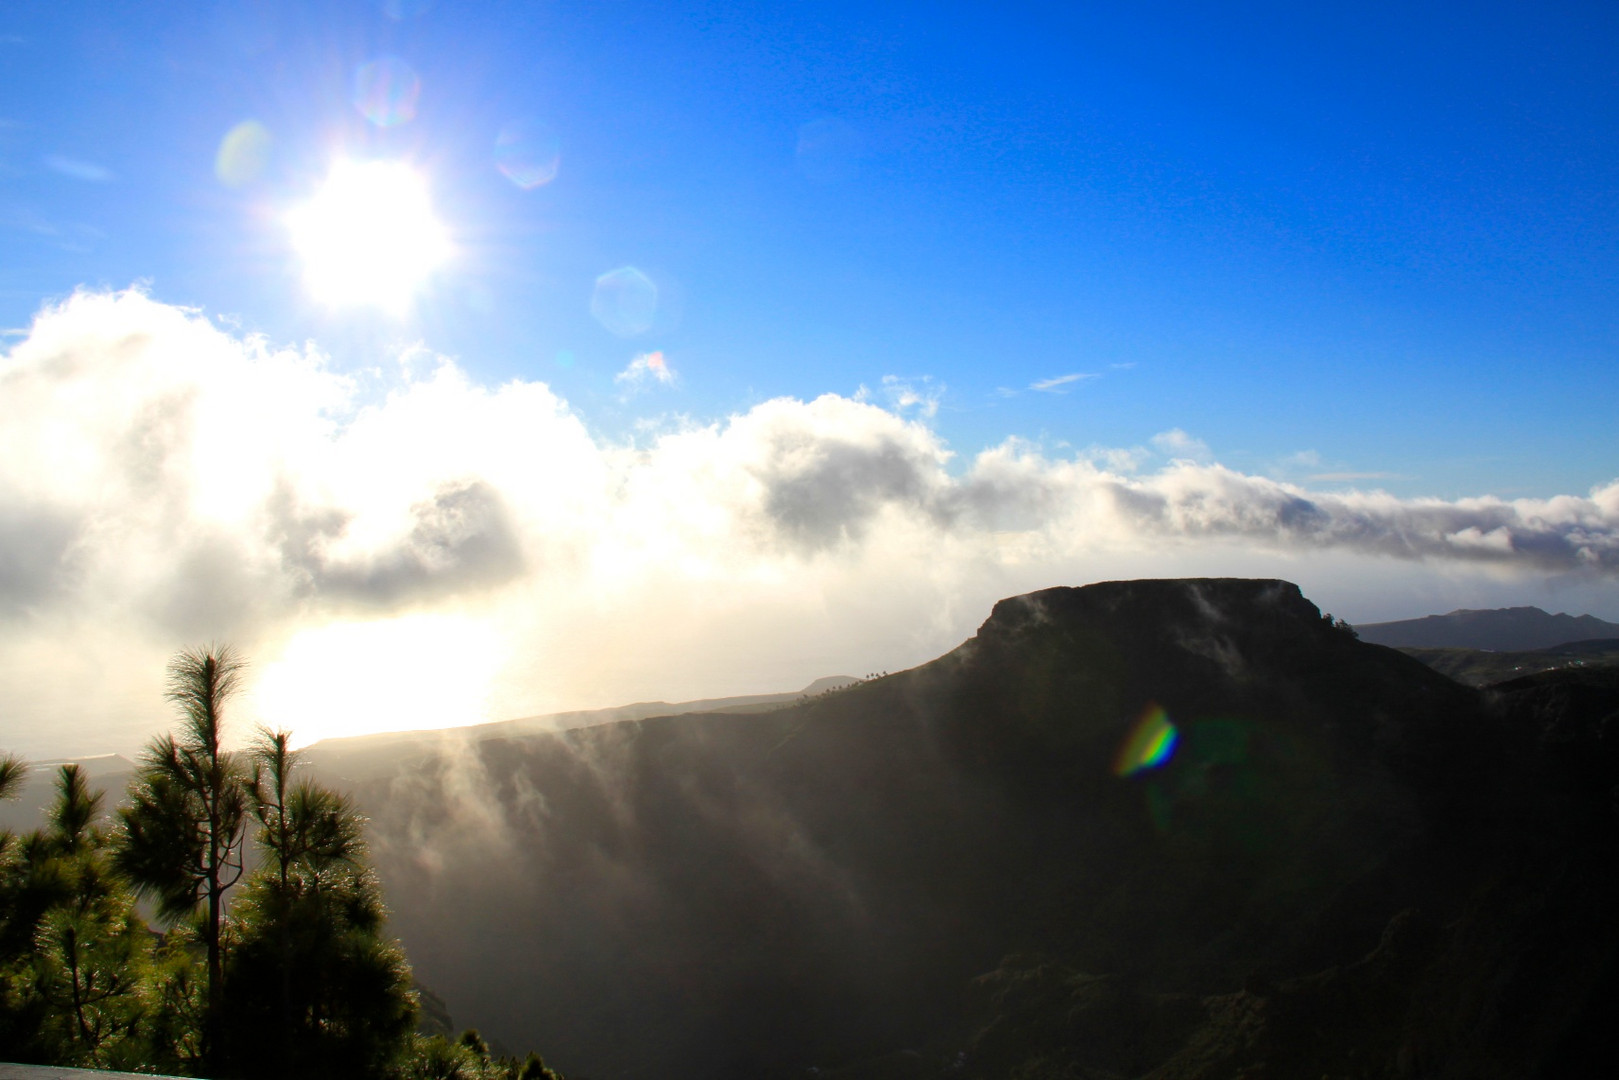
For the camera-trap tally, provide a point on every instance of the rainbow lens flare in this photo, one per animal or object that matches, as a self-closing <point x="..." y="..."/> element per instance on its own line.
<point x="625" y="301"/>
<point x="386" y="92"/>
<point x="1150" y="744"/>
<point x="528" y="153"/>
<point x="243" y="154"/>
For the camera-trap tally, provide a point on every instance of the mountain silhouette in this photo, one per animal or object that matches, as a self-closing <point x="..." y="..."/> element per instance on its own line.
<point x="1518" y="629"/>
<point x="1152" y="828"/>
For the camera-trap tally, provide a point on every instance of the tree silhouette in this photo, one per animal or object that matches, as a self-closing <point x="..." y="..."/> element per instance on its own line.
<point x="12" y="771"/>
<point x="313" y="988"/>
<point x="75" y="954"/>
<point x="23" y="902"/>
<point x="90" y="948"/>
<point x="309" y="986"/>
<point x="468" y="1058"/>
<point x="181" y="835"/>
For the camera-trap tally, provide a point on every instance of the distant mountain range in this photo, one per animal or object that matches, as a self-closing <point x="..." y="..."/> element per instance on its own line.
<point x="1516" y="629"/>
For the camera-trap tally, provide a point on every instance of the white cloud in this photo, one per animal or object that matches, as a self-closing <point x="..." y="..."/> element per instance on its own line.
<point x="919" y="394"/>
<point x="1177" y="444"/>
<point x="424" y="550"/>
<point x="1119" y="459"/>
<point x="648" y="367"/>
<point x="1061" y="384"/>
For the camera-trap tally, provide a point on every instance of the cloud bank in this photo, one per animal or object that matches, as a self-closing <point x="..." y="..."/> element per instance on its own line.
<point x="416" y="549"/>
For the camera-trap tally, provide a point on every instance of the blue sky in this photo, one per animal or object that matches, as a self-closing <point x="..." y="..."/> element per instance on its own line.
<point x="952" y="301"/>
<point x="1380" y="233"/>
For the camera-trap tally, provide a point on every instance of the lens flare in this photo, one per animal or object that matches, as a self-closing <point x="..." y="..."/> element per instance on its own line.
<point x="1150" y="744"/>
<point x="528" y="153"/>
<point x="243" y="154"/>
<point x="386" y="90"/>
<point x="625" y="301"/>
<point x="369" y="236"/>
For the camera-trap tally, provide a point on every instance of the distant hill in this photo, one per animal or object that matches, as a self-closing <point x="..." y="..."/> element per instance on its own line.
<point x="1185" y="829"/>
<point x="106" y="773"/>
<point x="1483" y="667"/>
<point x="357" y="756"/>
<point x="1517" y="629"/>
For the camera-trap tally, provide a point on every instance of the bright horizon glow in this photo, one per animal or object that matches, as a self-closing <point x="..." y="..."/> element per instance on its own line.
<point x="369" y="236"/>
<point x="321" y="686"/>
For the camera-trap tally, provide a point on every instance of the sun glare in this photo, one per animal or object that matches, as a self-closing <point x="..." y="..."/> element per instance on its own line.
<point x="369" y="236"/>
<point x="359" y="678"/>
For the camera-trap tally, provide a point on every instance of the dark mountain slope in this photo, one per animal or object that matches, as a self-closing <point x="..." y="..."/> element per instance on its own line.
<point x="1515" y="629"/>
<point x="722" y="895"/>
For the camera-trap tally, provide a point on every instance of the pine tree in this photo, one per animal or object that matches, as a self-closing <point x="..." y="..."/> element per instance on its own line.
<point x="468" y="1058"/>
<point x="313" y="986"/>
<point x="13" y="770"/>
<point x="75" y="954"/>
<point x="17" y="923"/>
<point x="181" y="836"/>
<point x="91" y="950"/>
<point x="14" y="937"/>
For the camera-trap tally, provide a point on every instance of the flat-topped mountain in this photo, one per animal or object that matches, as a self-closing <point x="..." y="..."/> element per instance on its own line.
<point x="1516" y="629"/>
<point x="1150" y="828"/>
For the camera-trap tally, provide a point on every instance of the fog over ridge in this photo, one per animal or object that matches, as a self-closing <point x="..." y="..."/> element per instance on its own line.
<point x="163" y="481"/>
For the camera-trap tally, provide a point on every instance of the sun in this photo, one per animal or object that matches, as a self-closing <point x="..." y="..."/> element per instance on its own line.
<point x="369" y="236"/>
<point x="411" y="672"/>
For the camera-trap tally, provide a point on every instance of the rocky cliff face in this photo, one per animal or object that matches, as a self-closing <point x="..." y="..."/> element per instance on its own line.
<point x="1168" y="828"/>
